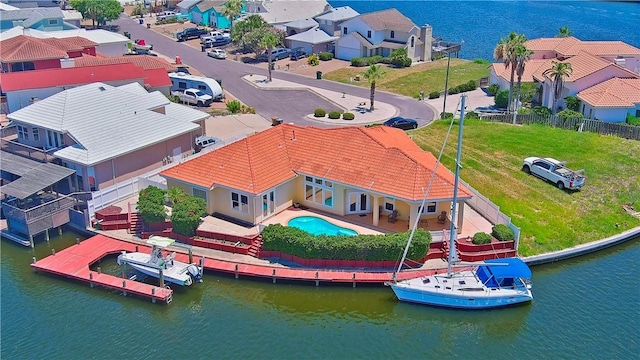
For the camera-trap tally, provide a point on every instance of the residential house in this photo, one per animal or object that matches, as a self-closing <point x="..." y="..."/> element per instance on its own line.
<point x="330" y="20"/>
<point x="279" y="12"/>
<point x="185" y="6"/>
<point x="72" y="17"/>
<point x="22" y="88"/>
<point x="501" y="75"/>
<point x="381" y="32"/>
<point x="109" y="134"/>
<point x="299" y="26"/>
<point x="23" y="53"/>
<point x="313" y="41"/>
<point x="146" y="62"/>
<point x="210" y="13"/>
<point x="342" y="171"/>
<point x="39" y="18"/>
<point x="611" y="100"/>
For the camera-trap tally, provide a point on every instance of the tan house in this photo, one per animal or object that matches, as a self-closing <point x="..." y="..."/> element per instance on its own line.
<point x="342" y="171"/>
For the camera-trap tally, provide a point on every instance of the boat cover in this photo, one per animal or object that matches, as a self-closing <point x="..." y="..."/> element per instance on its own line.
<point x="508" y="268"/>
<point x="160" y="241"/>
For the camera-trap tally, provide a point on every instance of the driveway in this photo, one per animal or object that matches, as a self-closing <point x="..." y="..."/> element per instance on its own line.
<point x="269" y="103"/>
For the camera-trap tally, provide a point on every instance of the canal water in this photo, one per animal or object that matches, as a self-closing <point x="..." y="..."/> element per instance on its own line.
<point x="583" y="308"/>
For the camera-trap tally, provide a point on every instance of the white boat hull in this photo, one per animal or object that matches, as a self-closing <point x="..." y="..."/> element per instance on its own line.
<point x="175" y="273"/>
<point x="443" y="291"/>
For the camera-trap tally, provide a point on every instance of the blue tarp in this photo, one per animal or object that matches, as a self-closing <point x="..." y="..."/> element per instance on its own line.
<point x="514" y="268"/>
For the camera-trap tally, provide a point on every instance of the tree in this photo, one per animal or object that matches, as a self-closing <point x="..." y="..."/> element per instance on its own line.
<point x="175" y="195"/>
<point x="99" y="11"/>
<point x="564" y="32"/>
<point x="522" y="55"/>
<point x="373" y="74"/>
<point x="232" y="9"/>
<point x="557" y="73"/>
<point x="505" y="51"/>
<point x="249" y="32"/>
<point x="151" y="205"/>
<point x="268" y="42"/>
<point x="186" y="214"/>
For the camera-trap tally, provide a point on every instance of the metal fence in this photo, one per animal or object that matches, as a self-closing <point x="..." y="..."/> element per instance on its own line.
<point x="622" y="130"/>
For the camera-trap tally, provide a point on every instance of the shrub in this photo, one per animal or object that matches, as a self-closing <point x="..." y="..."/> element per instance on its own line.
<point x="151" y="204"/>
<point x="446" y="115"/>
<point x="481" y="61"/>
<point x="434" y="94"/>
<point x="334" y="115"/>
<point x="502" y="98"/>
<point x="480" y="238"/>
<point x="525" y="111"/>
<point x="573" y="103"/>
<point x="401" y="61"/>
<point x="454" y="90"/>
<point x="313" y="60"/>
<point x="234" y="106"/>
<point x="186" y="214"/>
<point x="247" y="109"/>
<point x="633" y="120"/>
<point x="567" y="114"/>
<point x="386" y="60"/>
<point x="502" y="232"/>
<point x="472" y="85"/>
<point x="542" y="111"/>
<point x="359" y="62"/>
<point x="371" y="60"/>
<point x="319" y="112"/>
<point x="348" y="116"/>
<point x="527" y="92"/>
<point x="471" y="115"/>
<point x="325" y="56"/>
<point x="493" y="89"/>
<point x="175" y="195"/>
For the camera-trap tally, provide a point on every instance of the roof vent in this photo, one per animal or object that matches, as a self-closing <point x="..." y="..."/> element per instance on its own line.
<point x="102" y="88"/>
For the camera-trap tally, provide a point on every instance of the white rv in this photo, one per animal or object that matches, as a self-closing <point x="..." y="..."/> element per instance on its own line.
<point x="181" y="81"/>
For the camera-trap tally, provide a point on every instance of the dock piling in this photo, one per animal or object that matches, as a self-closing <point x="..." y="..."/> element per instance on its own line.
<point x="317" y="281"/>
<point x="190" y="256"/>
<point x="136" y="248"/>
<point x="33" y="261"/>
<point x="274" y="276"/>
<point x="53" y="251"/>
<point x="46" y="235"/>
<point x="91" y="279"/>
<point x="31" y="241"/>
<point x="153" y="294"/>
<point x="60" y="231"/>
<point x="161" y="277"/>
<point x="77" y="241"/>
<point x="124" y="286"/>
<point x="236" y="272"/>
<point x="354" y="279"/>
<point x="99" y="270"/>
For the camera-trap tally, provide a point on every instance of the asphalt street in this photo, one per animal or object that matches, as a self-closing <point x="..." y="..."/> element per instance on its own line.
<point x="290" y="105"/>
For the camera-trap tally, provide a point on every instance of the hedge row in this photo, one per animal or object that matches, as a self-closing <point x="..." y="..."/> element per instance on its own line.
<point x="319" y="112"/>
<point x="469" y="86"/>
<point x="400" y="61"/>
<point x="385" y="247"/>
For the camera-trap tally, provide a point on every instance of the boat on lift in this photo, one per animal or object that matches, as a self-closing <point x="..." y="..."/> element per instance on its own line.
<point x="173" y="271"/>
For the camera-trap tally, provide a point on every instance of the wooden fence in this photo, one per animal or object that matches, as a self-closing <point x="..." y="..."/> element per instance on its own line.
<point x="577" y="124"/>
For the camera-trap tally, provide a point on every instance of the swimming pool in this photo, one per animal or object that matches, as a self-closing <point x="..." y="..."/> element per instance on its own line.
<point x="318" y="226"/>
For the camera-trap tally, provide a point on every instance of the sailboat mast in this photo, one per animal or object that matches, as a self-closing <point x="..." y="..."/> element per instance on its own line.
<point x="452" y="233"/>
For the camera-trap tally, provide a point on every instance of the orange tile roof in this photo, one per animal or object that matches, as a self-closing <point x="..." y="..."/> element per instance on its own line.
<point x="584" y="64"/>
<point x="144" y="61"/>
<point x="570" y="46"/>
<point x="26" y="48"/>
<point x="73" y="43"/>
<point x="614" y="92"/>
<point x="549" y="44"/>
<point x="378" y="159"/>
<point x="532" y="66"/>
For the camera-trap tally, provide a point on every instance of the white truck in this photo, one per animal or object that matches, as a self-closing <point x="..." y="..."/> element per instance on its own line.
<point x="555" y="172"/>
<point x="193" y="97"/>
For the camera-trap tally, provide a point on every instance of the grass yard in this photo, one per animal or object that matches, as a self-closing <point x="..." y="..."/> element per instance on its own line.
<point x="427" y="77"/>
<point x="550" y="219"/>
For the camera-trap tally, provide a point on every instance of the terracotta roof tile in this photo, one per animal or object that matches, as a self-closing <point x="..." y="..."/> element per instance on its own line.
<point x="379" y="159"/>
<point x="584" y="64"/>
<point x="570" y="46"/>
<point x="26" y="48"/>
<point x="144" y="61"/>
<point x="390" y="19"/>
<point x="74" y="43"/>
<point x="614" y="92"/>
<point x="532" y="66"/>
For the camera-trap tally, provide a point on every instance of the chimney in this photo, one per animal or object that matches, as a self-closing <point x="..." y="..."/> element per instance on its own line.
<point x="426" y="35"/>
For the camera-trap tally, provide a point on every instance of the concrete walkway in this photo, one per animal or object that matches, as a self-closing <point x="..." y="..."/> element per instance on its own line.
<point x="475" y="99"/>
<point x="342" y="102"/>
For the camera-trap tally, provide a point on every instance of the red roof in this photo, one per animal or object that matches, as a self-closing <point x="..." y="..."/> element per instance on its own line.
<point x="614" y="92"/>
<point x="73" y="43"/>
<point x="143" y="61"/>
<point x="27" y="48"/>
<point x="37" y="79"/>
<point x="379" y="159"/>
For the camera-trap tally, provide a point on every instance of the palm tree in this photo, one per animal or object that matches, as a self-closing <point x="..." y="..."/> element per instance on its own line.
<point x="522" y="56"/>
<point x="268" y="42"/>
<point x="558" y="72"/>
<point x="505" y="51"/>
<point x="373" y="74"/>
<point x="232" y="10"/>
<point x="176" y="194"/>
<point x="564" y="32"/>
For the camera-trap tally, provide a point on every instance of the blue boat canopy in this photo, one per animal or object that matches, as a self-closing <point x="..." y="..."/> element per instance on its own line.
<point x="513" y="268"/>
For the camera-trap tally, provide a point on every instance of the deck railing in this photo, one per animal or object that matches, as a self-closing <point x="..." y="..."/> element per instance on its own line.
<point x="27" y="151"/>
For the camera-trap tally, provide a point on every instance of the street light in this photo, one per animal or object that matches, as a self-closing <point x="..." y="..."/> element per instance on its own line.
<point x="446" y="82"/>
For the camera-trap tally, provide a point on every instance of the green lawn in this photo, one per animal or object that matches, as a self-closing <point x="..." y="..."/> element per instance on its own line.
<point x="425" y="77"/>
<point x="550" y="219"/>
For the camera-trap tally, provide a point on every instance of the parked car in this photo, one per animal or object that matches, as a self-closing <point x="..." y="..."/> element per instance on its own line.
<point x="190" y="33"/>
<point x="555" y="172"/>
<point x="211" y="35"/>
<point x="216" y="42"/>
<point x="193" y="97"/>
<point x="204" y="141"/>
<point x="298" y="53"/>
<point x="402" y="123"/>
<point x="217" y="54"/>
<point x="277" y="54"/>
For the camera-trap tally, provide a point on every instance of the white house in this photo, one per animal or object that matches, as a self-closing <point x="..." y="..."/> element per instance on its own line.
<point x="611" y="100"/>
<point x="331" y="19"/>
<point x="381" y="32"/>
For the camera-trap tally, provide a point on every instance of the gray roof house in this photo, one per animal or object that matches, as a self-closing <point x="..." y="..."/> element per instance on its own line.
<point x="298" y="26"/>
<point x="331" y="19"/>
<point x="45" y="19"/>
<point x="278" y="12"/>
<point x="313" y="41"/>
<point x="109" y="134"/>
<point x="381" y="32"/>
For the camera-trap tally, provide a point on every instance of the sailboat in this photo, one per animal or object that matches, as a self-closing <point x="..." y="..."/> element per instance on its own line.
<point x="490" y="284"/>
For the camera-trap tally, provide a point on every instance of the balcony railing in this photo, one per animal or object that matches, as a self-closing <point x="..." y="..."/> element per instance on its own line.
<point x="12" y="210"/>
<point x="27" y="151"/>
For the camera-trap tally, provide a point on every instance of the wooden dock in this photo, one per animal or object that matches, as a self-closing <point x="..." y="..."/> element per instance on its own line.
<point x="74" y="262"/>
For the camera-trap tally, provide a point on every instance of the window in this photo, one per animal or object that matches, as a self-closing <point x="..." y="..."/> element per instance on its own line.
<point x="239" y="203"/>
<point x="182" y="85"/>
<point x="393" y="34"/>
<point x="389" y="204"/>
<point x="199" y="193"/>
<point x="430" y="208"/>
<point x="36" y="134"/>
<point x="23" y="133"/>
<point x="53" y="21"/>
<point x="318" y="191"/>
<point x="202" y="87"/>
<point x="369" y="34"/>
<point x="344" y="30"/>
<point x="412" y="41"/>
<point x="23" y="66"/>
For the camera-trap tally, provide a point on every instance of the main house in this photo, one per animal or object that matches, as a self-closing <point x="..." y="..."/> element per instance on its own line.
<point x="39" y="18"/>
<point x="206" y="12"/>
<point x="109" y="134"/>
<point x="24" y="53"/>
<point x="381" y="32"/>
<point x="342" y="171"/>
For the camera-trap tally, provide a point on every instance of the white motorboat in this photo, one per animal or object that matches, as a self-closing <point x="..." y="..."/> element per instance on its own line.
<point x="173" y="271"/>
<point x="491" y="284"/>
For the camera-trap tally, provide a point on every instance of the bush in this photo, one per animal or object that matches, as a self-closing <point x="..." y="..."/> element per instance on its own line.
<point x="434" y="94"/>
<point x="502" y="232"/>
<point x="525" y="111"/>
<point x="386" y="60"/>
<point x="319" y="112"/>
<point x="481" y="61"/>
<point x="493" y="89"/>
<point x="527" y="92"/>
<point x="151" y="204"/>
<point x="471" y="115"/>
<point x="186" y="214"/>
<point x="234" y="106"/>
<point x="480" y="238"/>
<point x="359" y="62"/>
<point x="502" y="98"/>
<point x="454" y="90"/>
<point x="334" y="115"/>
<point x="313" y="60"/>
<point x="348" y="116"/>
<point x="385" y="247"/>
<point x="446" y="115"/>
<point x="567" y="114"/>
<point x="325" y="56"/>
<point x="372" y="60"/>
<point x="472" y="85"/>
<point x="573" y="103"/>
<point x="401" y="61"/>
<point x="542" y="111"/>
<point x="633" y="120"/>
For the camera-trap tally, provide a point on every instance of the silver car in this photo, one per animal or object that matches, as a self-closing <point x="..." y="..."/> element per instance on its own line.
<point x="217" y="54"/>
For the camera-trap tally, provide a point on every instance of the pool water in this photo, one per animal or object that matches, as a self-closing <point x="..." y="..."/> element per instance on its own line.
<point x="318" y="226"/>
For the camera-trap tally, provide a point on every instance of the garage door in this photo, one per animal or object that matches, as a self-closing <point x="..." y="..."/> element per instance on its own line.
<point x="196" y="18"/>
<point x="346" y="53"/>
